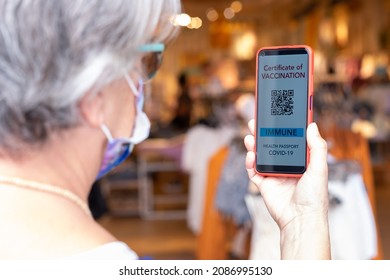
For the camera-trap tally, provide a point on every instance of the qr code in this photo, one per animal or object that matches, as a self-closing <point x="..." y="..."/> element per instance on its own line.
<point x="282" y="102"/>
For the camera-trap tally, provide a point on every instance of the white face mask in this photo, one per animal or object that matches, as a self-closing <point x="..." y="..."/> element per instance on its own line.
<point x="119" y="149"/>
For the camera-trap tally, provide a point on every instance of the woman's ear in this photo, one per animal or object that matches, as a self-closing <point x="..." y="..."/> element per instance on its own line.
<point x="91" y="107"/>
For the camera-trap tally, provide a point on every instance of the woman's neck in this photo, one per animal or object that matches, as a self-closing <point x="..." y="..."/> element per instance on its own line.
<point x="69" y="161"/>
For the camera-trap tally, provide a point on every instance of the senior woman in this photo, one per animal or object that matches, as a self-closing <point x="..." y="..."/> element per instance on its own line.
<point x="71" y="75"/>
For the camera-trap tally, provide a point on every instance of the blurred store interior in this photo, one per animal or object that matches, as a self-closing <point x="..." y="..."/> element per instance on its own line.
<point x="167" y="201"/>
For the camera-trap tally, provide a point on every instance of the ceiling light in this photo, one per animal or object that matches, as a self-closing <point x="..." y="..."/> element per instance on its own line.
<point x="212" y="14"/>
<point x="236" y="6"/>
<point x="228" y="13"/>
<point x="196" y="23"/>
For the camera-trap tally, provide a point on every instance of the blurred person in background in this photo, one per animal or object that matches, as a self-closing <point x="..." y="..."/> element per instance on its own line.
<point x="181" y="121"/>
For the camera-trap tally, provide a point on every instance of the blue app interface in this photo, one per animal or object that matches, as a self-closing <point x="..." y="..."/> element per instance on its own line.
<point x="282" y="104"/>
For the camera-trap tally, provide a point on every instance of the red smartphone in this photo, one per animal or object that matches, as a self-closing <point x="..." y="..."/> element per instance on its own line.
<point x="284" y="109"/>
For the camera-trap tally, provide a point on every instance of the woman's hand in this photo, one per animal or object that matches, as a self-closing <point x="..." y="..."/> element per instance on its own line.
<point x="298" y="205"/>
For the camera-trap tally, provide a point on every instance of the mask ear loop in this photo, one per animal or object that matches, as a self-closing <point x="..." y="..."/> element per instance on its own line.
<point x="138" y="93"/>
<point x="107" y="132"/>
<point x="131" y="84"/>
<point x="141" y="120"/>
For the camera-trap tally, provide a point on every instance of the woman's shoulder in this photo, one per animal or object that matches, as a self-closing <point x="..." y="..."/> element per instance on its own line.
<point x="115" y="250"/>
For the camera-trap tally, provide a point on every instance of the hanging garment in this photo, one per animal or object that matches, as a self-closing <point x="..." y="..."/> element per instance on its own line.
<point x="351" y="221"/>
<point x="233" y="186"/>
<point x="200" y="144"/>
<point x="213" y="236"/>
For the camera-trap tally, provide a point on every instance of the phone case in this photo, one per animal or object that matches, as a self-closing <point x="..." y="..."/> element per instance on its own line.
<point x="309" y="102"/>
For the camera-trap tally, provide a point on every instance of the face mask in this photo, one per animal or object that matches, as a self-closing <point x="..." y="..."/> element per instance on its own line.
<point x="119" y="149"/>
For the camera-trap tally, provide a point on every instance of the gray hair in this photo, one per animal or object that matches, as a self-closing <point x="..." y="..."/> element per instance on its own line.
<point x="53" y="52"/>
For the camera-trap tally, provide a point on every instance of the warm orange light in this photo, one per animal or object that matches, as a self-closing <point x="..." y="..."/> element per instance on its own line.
<point x="196" y="23"/>
<point x="212" y="15"/>
<point x="228" y="13"/>
<point x="236" y="6"/>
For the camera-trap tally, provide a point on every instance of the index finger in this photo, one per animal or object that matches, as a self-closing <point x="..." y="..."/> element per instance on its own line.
<point x="251" y="125"/>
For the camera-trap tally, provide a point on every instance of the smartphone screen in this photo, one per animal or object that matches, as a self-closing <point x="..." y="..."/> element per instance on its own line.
<point x="282" y="110"/>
